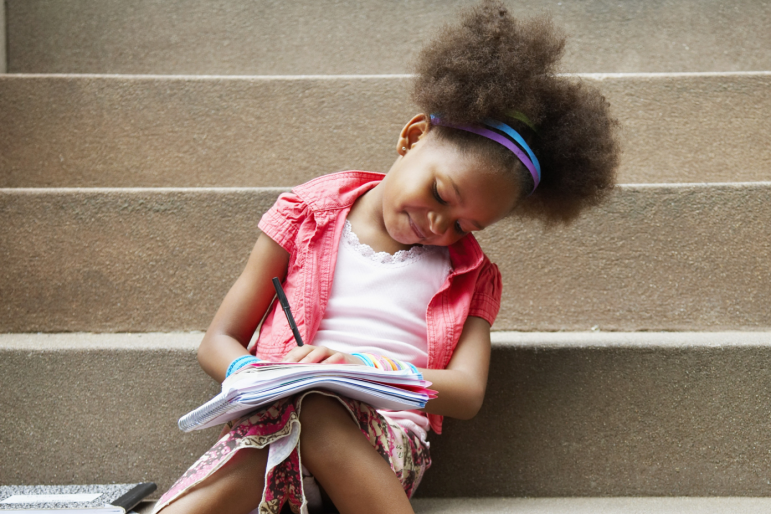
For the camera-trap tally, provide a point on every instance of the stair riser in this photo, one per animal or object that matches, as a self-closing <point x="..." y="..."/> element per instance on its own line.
<point x="641" y="419"/>
<point x="100" y="416"/>
<point x="311" y="37"/>
<point x="625" y="505"/>
<point x="122" y="261"/>
<point x="89" y="131"/>
<point x="613" y="422"/>
<point x="653" y="258"/>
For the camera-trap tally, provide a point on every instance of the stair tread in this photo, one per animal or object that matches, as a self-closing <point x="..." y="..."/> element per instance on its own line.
<point x="626" y="505"/>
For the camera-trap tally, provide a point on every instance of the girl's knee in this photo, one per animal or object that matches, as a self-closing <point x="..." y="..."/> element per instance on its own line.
<point x="318" y="407"/>
<point x="236" y="486"/>
<point x="325" y="420"/>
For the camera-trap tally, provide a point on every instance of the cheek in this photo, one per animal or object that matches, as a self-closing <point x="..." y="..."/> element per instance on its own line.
<point x="390" y="213"/>
<point x="389" y="204"/>
<point x="395" y="202"/>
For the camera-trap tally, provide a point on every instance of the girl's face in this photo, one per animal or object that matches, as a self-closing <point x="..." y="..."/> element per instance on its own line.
<point x="435" y="195"/>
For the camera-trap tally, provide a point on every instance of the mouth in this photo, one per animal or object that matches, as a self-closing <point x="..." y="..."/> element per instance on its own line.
<point x="415" y="229"/>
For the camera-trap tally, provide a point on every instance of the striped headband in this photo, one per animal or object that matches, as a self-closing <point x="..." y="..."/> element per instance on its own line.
<point x="505" y="135"/>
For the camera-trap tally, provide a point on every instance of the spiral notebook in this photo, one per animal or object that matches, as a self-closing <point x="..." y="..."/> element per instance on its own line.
<point x="262" y="383"/>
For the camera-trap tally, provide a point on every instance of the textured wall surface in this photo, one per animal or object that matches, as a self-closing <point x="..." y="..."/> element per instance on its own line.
<point x="75" y="131"/>
<point x="653" y="258"/>
<point x="338" y="37"/>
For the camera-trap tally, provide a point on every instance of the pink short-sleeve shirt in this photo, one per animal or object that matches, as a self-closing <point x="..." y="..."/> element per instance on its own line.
<point x="308" y="222"/>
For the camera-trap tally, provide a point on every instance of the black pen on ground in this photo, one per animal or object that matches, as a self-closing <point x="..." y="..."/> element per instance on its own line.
<point x="285" y="305"/>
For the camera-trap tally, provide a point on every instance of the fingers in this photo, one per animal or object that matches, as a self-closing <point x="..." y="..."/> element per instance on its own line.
<point x="336" y="358"/>
<point x="298" y="354"/>
<point x="318" y="354"/>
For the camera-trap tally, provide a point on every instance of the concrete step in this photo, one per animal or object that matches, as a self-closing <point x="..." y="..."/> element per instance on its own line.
<point x="331" y="36"/>
<point x="566" y="414"/>
<point x="637" y="505"/>
<point x="152" y="131"/>
<point x="677" y="257"/>
<point x="592" y="505"/>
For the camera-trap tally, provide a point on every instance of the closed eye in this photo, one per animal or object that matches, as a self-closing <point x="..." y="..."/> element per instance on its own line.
<point x="436" y="195"/>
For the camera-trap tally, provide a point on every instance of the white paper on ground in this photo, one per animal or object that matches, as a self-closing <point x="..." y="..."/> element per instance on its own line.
<point x="51" y="498"/>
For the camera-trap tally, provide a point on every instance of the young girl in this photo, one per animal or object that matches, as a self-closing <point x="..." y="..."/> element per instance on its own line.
<point x="385" y="266"/>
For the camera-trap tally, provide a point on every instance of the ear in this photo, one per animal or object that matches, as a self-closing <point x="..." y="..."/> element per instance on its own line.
<point x="412" y="132"/>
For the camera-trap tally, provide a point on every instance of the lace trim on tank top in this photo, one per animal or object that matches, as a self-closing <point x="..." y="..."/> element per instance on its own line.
<point x="400" y="257"/>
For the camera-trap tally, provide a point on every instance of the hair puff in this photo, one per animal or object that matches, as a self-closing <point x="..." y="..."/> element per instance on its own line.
<point x="489" y="64"/>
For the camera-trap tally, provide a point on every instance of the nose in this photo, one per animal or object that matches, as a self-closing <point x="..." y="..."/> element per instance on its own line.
<point x="438" y="223"/>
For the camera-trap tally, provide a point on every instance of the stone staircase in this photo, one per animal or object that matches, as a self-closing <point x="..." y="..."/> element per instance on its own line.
<point x="141" y="142"/>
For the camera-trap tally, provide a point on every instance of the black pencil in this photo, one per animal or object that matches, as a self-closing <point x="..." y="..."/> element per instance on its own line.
<point x="285" y="305"/>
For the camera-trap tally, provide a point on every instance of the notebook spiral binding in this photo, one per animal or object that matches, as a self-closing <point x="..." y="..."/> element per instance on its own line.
<point x="210" y="409"/>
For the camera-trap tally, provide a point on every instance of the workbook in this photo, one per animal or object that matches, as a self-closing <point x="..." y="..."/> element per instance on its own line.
<point x="73" y="499"/>
<point x="263" y="383"/>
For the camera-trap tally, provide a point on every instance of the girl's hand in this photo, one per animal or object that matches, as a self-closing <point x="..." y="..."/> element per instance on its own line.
<point x="319" y="354"/>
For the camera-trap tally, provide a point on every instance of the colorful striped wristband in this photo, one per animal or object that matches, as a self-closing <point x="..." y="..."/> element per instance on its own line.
<point x="240" y="362"/>
<point x="385" y="363"/>
<point x="366" y="360"/>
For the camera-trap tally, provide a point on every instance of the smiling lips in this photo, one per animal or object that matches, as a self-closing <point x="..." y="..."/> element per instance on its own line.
<point x="415" y="229"/>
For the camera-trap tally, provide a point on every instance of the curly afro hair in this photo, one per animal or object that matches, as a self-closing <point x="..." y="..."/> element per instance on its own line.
<point x="489" y="65"/>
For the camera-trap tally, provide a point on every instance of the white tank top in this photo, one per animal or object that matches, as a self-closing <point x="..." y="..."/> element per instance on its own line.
<point x="378" y="305"/>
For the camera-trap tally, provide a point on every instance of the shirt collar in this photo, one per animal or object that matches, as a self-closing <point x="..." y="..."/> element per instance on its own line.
<point x="466" y="254"/>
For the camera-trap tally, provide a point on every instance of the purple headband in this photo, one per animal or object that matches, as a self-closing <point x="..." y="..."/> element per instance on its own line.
<point x="510" y="138"/>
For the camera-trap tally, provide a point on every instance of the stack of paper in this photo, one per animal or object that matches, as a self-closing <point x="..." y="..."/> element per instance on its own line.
<point x="263" y="383"/>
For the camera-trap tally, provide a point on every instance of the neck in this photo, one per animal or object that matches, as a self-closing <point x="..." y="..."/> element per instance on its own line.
<point x="366" y="219"/>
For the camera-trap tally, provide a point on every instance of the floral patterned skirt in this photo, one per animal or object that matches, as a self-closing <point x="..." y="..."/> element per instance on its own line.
<point x="278" y="426"/>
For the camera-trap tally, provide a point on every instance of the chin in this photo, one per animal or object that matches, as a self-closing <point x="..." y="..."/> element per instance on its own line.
<point x="397" y="232"/>
<point x="405" y="238"/>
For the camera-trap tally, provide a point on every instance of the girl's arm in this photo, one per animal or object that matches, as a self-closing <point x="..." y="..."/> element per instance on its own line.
<point x="243" y="308"/>
<point x="462" y="385"/>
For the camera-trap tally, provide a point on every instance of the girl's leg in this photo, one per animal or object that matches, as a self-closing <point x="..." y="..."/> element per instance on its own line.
<point x="341" y="459"/>
<point x="235" y="488"/>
